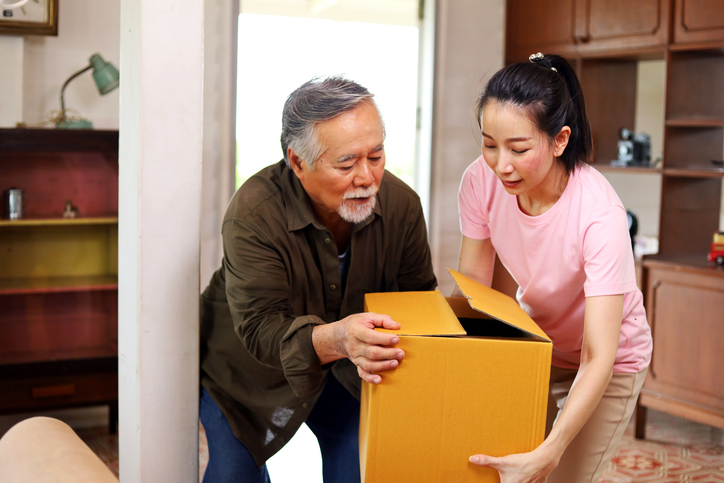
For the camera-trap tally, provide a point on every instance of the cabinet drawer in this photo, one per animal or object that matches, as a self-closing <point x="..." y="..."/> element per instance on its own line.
<point x="57" y="392"/>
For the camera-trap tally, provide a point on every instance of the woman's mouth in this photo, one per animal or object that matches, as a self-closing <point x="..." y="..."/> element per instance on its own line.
<point x="510" y="184"/>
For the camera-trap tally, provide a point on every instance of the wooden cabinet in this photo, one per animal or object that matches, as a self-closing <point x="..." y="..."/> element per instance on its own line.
<point x="605" y="40"/>
<point x="573" y="27"/>
<point x="693" y="139"/>
<point x="698" y="21"/>
<point x="541" y="26"/>
<point x="685" y="308"/>
<point x="59" y="275"/>
<point x="621" y="24"/>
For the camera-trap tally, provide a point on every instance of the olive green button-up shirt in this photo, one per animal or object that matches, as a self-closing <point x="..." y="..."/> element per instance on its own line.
<point x="279" y="278"/>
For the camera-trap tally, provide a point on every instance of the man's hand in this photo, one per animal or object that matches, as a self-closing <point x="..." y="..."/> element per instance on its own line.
<point x="354" y="337"/>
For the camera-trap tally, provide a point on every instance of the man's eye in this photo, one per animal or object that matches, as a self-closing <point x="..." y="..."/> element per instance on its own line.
<point x="345" y="168"/>
<point x="375" y="159"/>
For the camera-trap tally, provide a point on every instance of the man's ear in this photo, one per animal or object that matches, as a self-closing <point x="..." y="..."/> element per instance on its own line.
<point x="296" y="163"/>
<point x="561" y="141"/>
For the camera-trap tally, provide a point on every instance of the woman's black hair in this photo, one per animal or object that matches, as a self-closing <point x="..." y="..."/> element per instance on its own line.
<point x="549" y="90"/>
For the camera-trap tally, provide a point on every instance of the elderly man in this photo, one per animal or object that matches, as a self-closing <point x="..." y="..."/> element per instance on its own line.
<point x="283" y="337"/>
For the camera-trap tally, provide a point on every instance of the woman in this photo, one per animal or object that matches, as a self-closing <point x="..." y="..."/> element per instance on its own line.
<point x="558" y="227"/>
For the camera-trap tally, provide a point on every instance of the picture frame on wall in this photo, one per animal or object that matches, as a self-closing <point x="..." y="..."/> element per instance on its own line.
<point x="29" y="17"/>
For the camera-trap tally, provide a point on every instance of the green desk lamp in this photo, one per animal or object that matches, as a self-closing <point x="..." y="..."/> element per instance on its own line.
<point x="106" y="77"/>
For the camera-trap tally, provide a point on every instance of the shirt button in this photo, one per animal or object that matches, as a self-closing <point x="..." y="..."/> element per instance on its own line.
<point x="305" y="405"/>
<point x="333" y="287"/>
<point x="327" y="240"/>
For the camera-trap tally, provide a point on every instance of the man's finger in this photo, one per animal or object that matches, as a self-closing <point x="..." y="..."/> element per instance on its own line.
<point x="372" y="337"/>
<point x="378" y="353"/>
<point x="376" y="366"/>
<point x="384" y="321"/>
<point x="368" y="376"/>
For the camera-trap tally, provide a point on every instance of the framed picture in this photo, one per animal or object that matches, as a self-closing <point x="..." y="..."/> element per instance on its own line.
<point x="29" y="17"/>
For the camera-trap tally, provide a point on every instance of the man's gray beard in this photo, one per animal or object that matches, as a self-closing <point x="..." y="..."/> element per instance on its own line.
<point x="353" y="213"/>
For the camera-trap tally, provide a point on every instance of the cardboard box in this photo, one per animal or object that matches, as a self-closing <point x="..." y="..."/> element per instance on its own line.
<point x="474" y="380"/>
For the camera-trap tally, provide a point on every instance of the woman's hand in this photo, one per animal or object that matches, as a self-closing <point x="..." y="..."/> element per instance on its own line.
<point x="533" y="467"/>
<point x="602" y="327"/>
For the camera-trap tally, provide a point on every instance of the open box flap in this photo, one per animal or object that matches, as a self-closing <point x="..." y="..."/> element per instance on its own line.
<point x="497" y="305"/>
<point x="419" y="313"/>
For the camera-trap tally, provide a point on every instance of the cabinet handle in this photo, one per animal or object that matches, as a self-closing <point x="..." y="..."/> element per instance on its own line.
<point x="45" y="392"/>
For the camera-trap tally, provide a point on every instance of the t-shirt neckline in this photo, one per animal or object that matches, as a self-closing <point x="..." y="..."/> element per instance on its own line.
<point x="555" y="209"/>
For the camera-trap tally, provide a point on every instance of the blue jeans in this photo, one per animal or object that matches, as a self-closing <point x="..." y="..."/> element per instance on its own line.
<point x="334" y="420"/>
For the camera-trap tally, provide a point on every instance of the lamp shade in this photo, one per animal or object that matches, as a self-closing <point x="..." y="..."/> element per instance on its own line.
<point x="104" y="74"/>
<point x="106" y="78"/>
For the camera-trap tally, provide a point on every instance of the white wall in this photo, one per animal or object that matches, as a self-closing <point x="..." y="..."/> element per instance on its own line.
<point x="469" y="49"/>
<point x="11" y="80"/>
<point x="85" y="27"/>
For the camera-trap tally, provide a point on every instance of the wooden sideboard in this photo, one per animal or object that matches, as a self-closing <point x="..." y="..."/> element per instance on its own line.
<point x="59" y="275"/>
<point x="685" y="309"/>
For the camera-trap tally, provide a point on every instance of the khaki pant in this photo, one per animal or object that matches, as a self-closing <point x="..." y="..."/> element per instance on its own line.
<point x="586" y="457"/>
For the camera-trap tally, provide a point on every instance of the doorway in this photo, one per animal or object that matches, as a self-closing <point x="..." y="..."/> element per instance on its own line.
<point x="374" y="43"/>
<point x="284" y="43"/>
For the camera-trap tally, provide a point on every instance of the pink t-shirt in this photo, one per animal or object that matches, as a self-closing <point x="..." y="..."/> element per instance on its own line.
<point x="579" y="248"/>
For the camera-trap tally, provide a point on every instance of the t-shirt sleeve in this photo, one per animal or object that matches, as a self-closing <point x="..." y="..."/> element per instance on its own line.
<point x="471" y="206"/>
<point x="608" y="256"/>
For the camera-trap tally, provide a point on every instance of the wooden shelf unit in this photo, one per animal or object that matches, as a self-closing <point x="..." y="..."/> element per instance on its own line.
<point x="684" y="293"/>
<point x="59" y="276"/>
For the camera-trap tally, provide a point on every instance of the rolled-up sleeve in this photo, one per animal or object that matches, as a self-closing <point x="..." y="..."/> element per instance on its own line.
<point x="301" y="365"/>
<point x="257" y="288"/>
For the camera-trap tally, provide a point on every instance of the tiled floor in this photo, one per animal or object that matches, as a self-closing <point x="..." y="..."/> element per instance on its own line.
<point x="675" y="450"/>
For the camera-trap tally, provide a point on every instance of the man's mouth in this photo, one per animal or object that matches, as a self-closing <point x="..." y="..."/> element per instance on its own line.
<point x="359" y="201"/>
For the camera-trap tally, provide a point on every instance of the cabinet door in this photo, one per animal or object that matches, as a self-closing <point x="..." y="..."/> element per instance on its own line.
<point x="684" y="309"/>
<point x="698" y="21"/>
<point x="539" y="26"/>
<point x="621" y="24"/>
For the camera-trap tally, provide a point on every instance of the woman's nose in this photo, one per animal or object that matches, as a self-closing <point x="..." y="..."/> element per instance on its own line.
<point x="504" y="165"/>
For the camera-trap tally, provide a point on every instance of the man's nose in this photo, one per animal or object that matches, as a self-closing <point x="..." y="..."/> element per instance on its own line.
<point x="364" y="175"/>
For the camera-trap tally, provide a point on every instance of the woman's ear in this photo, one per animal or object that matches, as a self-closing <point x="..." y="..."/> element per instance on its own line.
<point x="561" y="141"/>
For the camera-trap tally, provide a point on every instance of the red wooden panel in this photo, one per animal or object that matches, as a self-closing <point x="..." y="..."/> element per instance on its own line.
<point x="89" y="180"/>
<point x="58" y="326"/>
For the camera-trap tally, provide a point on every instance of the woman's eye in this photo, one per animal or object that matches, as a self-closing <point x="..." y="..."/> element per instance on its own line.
<point x="522" y="151"/>
<point x="488" y="147"/>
